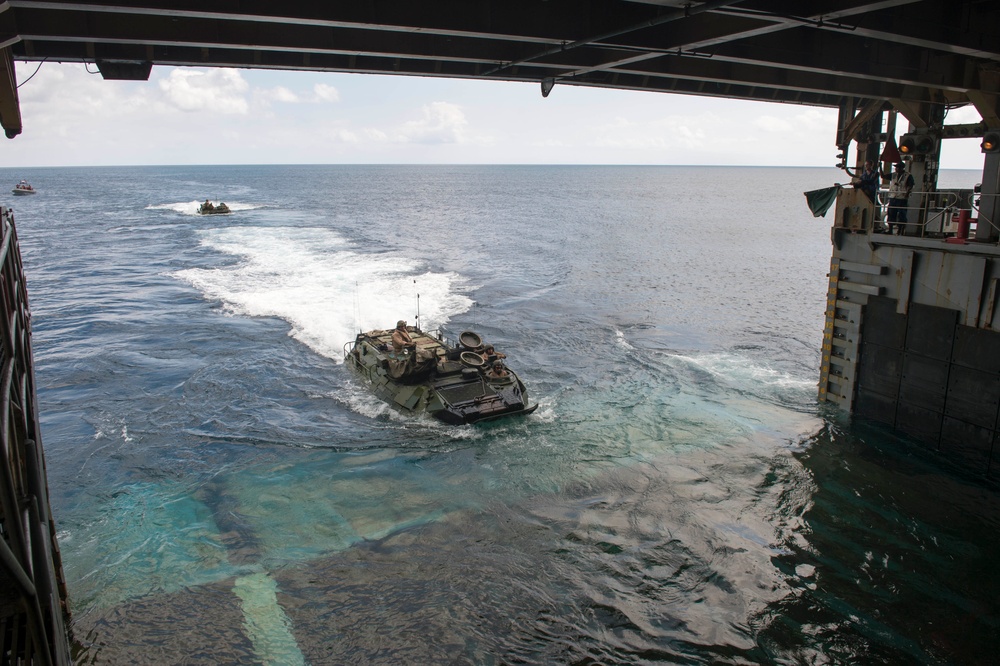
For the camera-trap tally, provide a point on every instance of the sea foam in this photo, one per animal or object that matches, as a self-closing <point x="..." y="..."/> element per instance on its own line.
<point x="327" y="291"/>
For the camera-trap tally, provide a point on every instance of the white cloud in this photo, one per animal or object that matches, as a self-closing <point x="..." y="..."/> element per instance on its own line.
<point x="340" y="135"/>
<point x="816" y="120"/>
<point x="773" y="124"/>
<point x="73" y="117"/>
<point x="280" y="94"/>
<point x="656" y="134"/>
<point x="689" y="131"/>
<point x="442" y="122"/>
<point x="319" y="93"/>
<point x="807" y="121"/>
<point x="620" y="122"/>
<point x="375" y="135"/>
<point x="963" y="115"/>
<point x="218" y="90"/>
<point x="325" y="93"/>
<point x="56" y="90"/>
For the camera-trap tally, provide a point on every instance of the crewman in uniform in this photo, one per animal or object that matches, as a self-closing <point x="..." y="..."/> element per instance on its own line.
<point x="497" y="371"/>
<point x="489" y="354"/>
<point x="401" y="337"/>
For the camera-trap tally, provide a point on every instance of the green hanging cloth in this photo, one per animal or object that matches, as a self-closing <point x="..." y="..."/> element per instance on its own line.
<point x="820" y="200"/>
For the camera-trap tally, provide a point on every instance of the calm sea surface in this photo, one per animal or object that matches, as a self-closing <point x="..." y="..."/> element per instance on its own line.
<point x="226" y="492"/>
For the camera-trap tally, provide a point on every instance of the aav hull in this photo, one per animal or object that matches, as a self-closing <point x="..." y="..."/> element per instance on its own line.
<point x="453" y="383"/>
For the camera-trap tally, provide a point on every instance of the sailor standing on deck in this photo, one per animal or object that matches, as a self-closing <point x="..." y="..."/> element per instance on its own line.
<point x="899" y="194"/>
<point x="868" y="181"/>
<point x="401" y="337"/>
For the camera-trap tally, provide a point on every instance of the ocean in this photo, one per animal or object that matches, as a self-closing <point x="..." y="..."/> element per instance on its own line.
<point x="225" y="491"/>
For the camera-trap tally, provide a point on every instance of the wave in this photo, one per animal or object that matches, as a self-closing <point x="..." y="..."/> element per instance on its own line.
<point x="730" y="372"/>
<point x="191" y="207"/>
<point x="327" y="291"/>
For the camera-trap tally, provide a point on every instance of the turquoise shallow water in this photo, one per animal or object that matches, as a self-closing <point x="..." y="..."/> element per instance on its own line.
<point x="226" y="492"/>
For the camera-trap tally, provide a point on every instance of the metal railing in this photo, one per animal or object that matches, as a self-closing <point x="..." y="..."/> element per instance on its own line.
<point x="33" y="605"/>
<point x="947" y="206"/>
<point x="977" y="206"/>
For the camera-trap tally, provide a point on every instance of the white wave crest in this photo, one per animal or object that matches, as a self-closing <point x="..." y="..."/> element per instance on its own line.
<point x="312" y="279"/>
<point x="191" y="207"/>
<point x="744" y="371"/>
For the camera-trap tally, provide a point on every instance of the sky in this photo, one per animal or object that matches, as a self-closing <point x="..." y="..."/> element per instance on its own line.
<point x="183" y="115"/>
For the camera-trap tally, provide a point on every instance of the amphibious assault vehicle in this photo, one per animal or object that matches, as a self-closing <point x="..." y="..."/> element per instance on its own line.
<point x="209" y="208"/>
<point x="457" y="384"/>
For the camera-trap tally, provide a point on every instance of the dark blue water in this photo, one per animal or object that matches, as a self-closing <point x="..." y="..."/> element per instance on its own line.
<point x="226" y="492"/>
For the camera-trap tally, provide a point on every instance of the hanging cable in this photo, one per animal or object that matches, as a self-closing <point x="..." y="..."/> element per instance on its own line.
<point x="33" y="73"/>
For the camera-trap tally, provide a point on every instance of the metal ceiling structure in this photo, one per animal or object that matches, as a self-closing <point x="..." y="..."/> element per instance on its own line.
<point x="913" y="54"/>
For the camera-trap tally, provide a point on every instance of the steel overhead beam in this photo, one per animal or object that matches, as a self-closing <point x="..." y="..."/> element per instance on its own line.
<point x="759" y="61"/>
<point x="10" y="108"/>
<point x="801" y="51"/>
<point x="809" y="50"/>
<point x="732" y="28"/>
<point x="962" y="28"/>
<point x="352" y="63"/>
<point x="719" y="70"/>
<point x="971" y="35"/>
<point x="440" y="19"/>
<point x="911" y="112"/>
<point x="707" y="88"/>
<point x="815" y="11"/>
<point x="251" y="57"/>
<point x="674" y="15"/>
<point x="757" y="72"/>
<point x="701" y="84"/>
<point x="205" y="34"/>
<point x="208" y="33"/>
<point x="112" y="39"/>
<point x="753" y="19"/>
<point x="853" y="128"/>
<point x="988" y="106"/>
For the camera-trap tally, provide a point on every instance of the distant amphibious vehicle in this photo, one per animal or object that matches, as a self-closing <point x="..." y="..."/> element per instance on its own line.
<point x="208" y="208"/>
<point x="417" y="372"/>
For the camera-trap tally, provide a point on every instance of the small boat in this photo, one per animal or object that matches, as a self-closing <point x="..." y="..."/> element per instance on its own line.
<point x="208" y="208"/>
<point x="23" y="188"/>
<point x="458" y="384"/>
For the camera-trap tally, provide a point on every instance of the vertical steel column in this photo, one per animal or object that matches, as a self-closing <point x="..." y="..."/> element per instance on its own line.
<point x="988" y="227"/>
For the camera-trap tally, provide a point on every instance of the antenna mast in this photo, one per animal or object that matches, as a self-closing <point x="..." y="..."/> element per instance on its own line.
<point x="418" y="308"/>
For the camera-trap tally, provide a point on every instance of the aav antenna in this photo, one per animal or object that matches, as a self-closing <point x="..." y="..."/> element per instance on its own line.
<point x="418" y="307"/>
